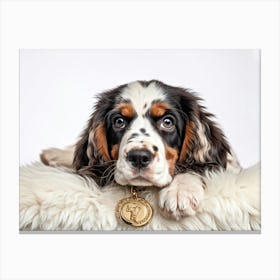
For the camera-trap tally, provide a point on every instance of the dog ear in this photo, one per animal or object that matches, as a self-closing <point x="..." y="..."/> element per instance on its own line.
<point x="92" y="148"/>
<point x="91" y="156"/>
<point x="204" y="144"/>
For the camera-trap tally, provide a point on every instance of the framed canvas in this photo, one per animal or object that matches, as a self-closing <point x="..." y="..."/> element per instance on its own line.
<point x="140" y="25"/>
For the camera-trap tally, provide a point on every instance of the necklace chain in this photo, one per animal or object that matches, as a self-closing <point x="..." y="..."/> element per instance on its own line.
<point x="133" y="192"/>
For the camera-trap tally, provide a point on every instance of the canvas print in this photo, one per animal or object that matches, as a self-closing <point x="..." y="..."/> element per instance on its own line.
<point x="139" y="140"/>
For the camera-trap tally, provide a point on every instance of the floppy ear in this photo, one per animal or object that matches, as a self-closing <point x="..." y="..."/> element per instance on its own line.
<point x="91" y="156"/>
<point x="92" y="148"/>
<point x="204" y="144"/>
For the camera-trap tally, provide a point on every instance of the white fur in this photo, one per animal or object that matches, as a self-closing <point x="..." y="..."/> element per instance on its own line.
<point x="57" y="199"/>
<point x="139" y="95"/>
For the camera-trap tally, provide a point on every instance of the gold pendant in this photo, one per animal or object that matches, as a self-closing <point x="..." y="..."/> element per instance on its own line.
<point x="134" y="210"/>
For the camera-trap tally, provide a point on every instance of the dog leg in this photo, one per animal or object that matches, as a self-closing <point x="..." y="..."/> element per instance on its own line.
<point x="182" y="197"/>
<point x="58" y="157"/>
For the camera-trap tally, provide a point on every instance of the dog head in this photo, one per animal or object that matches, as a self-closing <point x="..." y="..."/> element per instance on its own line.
<point x="143" y="133"/>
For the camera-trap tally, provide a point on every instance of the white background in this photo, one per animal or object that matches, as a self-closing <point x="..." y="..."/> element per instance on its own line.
<point x="177" y="24"/>
<point x="57" y="89"/>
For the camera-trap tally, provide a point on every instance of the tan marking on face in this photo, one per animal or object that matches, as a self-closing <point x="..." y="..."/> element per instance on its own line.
<point x="115" y="151"/>
<point x="101" y="141"/>
<point x="189" y="136"/>
<point x="126" y="110"/>
<point x="171" y="155"/>
<point x="159" y="109"/>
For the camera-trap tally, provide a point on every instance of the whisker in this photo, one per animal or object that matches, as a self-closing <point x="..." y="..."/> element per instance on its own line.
<point x="108" y="177"/>
<point x="108" y="171"/>
<point x="112" y="178"/>
<point x="105" y="163"/>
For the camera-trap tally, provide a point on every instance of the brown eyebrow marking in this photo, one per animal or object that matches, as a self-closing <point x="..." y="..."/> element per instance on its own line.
<point x="159" y="109"/>
<point x="126" y="110"/>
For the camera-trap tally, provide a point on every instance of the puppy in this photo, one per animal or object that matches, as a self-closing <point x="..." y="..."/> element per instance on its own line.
<point x="147" y="133"/>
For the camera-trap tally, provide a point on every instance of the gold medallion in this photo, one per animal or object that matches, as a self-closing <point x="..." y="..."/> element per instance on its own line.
<point x="134" y="210"/>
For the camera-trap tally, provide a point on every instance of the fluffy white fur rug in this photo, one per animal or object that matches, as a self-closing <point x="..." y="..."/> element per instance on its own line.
<point x="56" y="199"/>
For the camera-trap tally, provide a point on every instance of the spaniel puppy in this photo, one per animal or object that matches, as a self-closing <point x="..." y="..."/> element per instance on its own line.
<point x="147" y="133"/>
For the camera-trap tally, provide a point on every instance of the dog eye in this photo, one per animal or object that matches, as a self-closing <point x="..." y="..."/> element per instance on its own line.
<point x="119" y="123"/>
<point x="167" y="123"/>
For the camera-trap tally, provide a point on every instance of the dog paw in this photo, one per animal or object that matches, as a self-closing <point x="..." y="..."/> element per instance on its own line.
<point x="51" y="156"/>
<point x="57" y="157"/>
<point x="182" y="197"/>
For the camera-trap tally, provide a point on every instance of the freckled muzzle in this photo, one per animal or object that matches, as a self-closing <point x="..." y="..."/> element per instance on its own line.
<point x="142" y="163"/>
<point x="142" y="156"/>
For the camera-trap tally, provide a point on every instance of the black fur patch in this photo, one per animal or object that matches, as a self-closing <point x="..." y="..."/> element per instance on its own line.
<point x="155" y="148"/>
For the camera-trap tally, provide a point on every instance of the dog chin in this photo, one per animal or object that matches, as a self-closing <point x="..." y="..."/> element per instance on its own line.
<point x="140" y="181"/>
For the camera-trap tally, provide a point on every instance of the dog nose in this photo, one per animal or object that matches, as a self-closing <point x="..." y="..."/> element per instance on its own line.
<point x="139" y="158"/>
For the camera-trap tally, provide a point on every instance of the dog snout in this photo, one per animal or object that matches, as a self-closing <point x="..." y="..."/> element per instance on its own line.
<point x="139" y="158"/>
